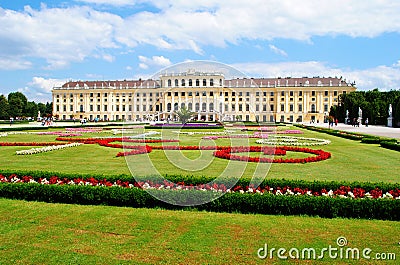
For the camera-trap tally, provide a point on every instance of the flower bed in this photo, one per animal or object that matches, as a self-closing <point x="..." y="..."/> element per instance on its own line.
<point x="341" y="192"/>
<point x="46" y="149"/>
<point x="227" y="154"/>
<point x="85" y="130"/>
<point x="292" y="140"/>
<point x="274" y="196"/>
<point x="29" y="144"/>
<point x="184" y="126"/>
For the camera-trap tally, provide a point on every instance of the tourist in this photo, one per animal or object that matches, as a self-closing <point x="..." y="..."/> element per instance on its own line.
<point x="366" y="122"/>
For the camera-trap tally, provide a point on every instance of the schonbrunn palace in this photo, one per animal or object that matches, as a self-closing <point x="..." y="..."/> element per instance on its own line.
<point x="208" y="94"/>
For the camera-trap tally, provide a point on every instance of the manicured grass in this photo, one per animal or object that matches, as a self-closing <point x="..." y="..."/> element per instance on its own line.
<point x="40" y="233"/>
<point x="351" y="160"/>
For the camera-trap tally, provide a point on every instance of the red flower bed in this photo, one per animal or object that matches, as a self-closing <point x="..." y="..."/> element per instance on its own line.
<point x="224" y="152"/>
<point x="227" y="154"/>
<point x="343" y="191"/>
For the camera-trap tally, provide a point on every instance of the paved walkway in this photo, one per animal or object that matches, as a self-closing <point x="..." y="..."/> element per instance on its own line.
<point x="370" y="130"/>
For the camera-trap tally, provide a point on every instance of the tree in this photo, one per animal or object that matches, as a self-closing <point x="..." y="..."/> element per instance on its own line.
<point x="4" y="108"/>
<point x="184" y="114"/>
<point x="31" y="109"/>
<point x="17" y="102"/>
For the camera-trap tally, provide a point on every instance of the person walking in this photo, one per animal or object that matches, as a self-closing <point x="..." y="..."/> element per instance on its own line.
<point x="366" y="122"/>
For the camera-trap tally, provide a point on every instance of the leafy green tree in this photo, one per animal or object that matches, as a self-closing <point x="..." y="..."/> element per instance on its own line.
<point x="4" y="108"/>
<point x="49" y="109"/>
<point x="17" y="102"/>
<point x="184" y="114"/>
<point x="31" y="109"/>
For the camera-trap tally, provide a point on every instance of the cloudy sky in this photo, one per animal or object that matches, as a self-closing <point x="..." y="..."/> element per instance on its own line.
<point x="46" y="43"/>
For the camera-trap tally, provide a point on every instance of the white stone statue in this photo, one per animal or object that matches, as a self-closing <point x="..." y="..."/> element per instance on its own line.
<point x="359" y="112"/>
<point x="390" y="110"/>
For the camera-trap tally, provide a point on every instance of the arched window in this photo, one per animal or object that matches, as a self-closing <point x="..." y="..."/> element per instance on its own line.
<point x="211" y="106"/>
<point x="190" y="82"/>
<point x="312" y="107"/>
<point x="190" y="106"/>
<point x="169" y="82"/>
<point x="176" y="106"/>
<point x="183" y="82"/>
<point x="176" y="82"/>
<point x="220" y="82"/>
<point x="169" y="107"/>
<point x="204" y="106"/>
<point x="204" y="82"/>
<point x="182" y="105"/>
<point x="197" y="82"/>
<point x="211" y="82"/>
<point x="197" y="106"/>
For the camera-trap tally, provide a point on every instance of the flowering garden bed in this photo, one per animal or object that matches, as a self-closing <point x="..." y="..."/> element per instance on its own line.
<point x="324" y="199"/>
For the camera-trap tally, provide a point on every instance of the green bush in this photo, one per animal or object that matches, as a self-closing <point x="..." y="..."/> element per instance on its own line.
<point x="385" y="209"/>
<point x="391" y="145"/>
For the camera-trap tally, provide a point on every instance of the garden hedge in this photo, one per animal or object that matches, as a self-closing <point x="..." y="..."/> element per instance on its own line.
<point x="231" y="202"/>
<point x="391" y="145"/>
<point x="254" y="203"/>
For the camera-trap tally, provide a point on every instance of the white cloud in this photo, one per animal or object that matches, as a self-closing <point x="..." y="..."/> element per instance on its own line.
<point x="72" y="34"/>
<point x="157" y="61"/>
<point x="277" y="50"/>
<point x="39" y="89"/>
<point x="60" y="35"/>
<point x="14" y="64"/>
<point x="109" y="2"/>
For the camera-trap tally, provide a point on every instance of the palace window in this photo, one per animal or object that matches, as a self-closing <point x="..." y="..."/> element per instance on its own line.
<point x="190" y="82"/>
<point x="197" y="82"/>
<point x="176" y="82"/>
<point x="204" y="82"/>
<point x="169" y="82"/>
<point x="183" y="82"/>
<point x="211" y="82"/>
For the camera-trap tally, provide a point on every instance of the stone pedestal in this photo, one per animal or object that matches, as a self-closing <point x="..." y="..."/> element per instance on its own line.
<point x="390" y="122"/>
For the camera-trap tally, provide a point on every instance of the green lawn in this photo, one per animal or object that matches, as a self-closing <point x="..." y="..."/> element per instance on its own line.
<point x="40" y="233"/>
<point x="351" y="160"/>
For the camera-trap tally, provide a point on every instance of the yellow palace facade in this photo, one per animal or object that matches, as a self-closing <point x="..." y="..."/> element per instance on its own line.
<point x="208" y="95"/>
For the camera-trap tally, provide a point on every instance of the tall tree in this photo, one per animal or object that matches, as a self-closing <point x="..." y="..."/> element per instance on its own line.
<point x="17" y="102"/>
<point x="4" y="108"/>
<point x="31" y="109"/>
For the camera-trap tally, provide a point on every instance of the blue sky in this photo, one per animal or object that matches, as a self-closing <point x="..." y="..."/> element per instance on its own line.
<point x="46" y="43"/>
